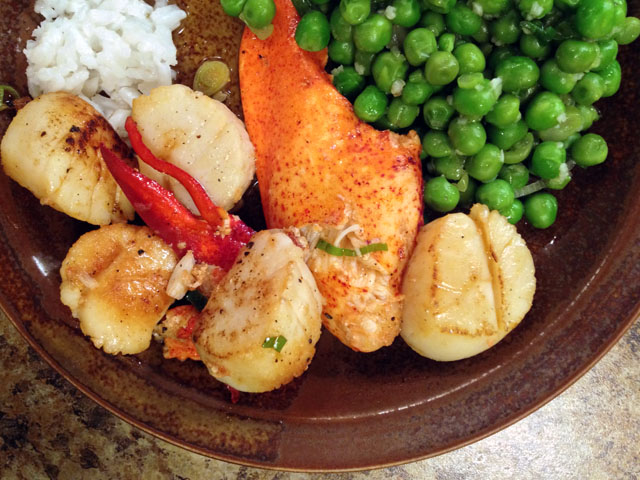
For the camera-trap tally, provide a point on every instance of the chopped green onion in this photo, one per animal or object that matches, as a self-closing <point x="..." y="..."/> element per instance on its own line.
<point x="347" y="252"/>
<point x="211" y="77"/>
<point x="274" y="342"/>
<point x="11" y="91"/>
<point x="544" y="33"/>
<point x="198" y="300"/>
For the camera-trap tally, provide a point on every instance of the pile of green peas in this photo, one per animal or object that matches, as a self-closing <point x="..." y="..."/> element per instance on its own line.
<point x="501" y="92"/>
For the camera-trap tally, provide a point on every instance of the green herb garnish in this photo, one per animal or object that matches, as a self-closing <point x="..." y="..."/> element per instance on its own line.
<point x="274" y="342"/>
<point x="196" y="299"/>
<point x="11" y="91"/>
<point x="347" y="252"/>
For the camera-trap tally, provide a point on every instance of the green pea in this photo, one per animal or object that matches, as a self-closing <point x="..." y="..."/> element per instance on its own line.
<point x="595" y="18"/>
<point x="541" y="209"/>
<point x="433" y="21"/>
<point x="543" y="111"/>
<point x="407" y="12"/>
<point x="439" y="6"/>
<point x="629" y="31"/>
<point x="232" y="8"/>
<point x="590" y="149"/>
<point x="355" y="12"/>
<point x="363" y="62"/>
<point x="437" y="113"/>
<point x="533" y="9"/>
<point x="490" y="7"/>
<point x="589" y="89"/>
<point x="462" y="20"/>
<point x="561" y="181"/>
<point x="418" y="45"/>
<point x="505" y="112"/>
<point x="258" y="14"/>
<point x="486" y="49"/>
<point x="371" y="104"/>
<point x="589" y="115"/>
<point x="470" y="80"/>
<point x="313" y="31"/>
<point x="348" y="82"/>
<point x="527" y="94"/>
<point x="401" y="114"/>
<point x="342" y="52"/>
<point x="533" y="47"/>
<point x="440" y="195"/>
<point x="303" y="6"/>
<point x="387" y="68"/>
<point x="499" y="54"/>
<point x="497" y="194"/>
<point x="517" y="73"/>
<point x="441" y="68"/>
<point x="447" y="42"/>
<point x="482" y="36"/>
<point x="437" y="144"/>
<point x="373" y="34"/>
<point x="470" y="58"/>
<point x="554" y="79"/>
<point x="520" y="150"/>
<point x="416" y="92"/>
<point x="383" y="123"/>
<point x="612" y="76"/>
<point x="476" y="101"/>
<point x="565" y="28"/>
<point x="451" y="166"/>
<point x="565" y="5"/>
<point x="341" y="30"/>
<point x="571" y="140"/>
<point x="508" y="136"/>
<point x="514" y="213"/>
<point x="547" y="158"/>
<point x="568" y="125"/>
<point x="619" y="13"/>
<point x="486" y="164"/>
<point x="467" y="137"/>
<point x="608" y="53"/>
<point x="506" y="29"/>
<point x="576" y="56"/>
<point x="467" y="187"/>
<point x="517" y="175"/>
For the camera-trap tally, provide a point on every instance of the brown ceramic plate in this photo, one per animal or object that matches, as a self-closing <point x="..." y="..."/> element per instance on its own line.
<point x="349" y="411"/>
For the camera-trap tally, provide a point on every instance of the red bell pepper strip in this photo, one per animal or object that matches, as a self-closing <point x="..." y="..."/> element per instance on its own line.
<point x="164" y="214"/>
<point x="213" y="214"/>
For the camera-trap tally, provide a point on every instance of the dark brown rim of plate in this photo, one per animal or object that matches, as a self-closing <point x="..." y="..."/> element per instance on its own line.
<point x="568" y="382"/>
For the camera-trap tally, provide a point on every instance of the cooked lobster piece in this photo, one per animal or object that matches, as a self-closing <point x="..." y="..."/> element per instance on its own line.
<point x="343" y="183"/>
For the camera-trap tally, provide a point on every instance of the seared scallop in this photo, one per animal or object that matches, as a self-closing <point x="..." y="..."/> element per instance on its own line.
<point x="52" y="148"/>
<point x="114" y="280"/>
<point x="470" y="281"/>
<point x="261" y="324"/>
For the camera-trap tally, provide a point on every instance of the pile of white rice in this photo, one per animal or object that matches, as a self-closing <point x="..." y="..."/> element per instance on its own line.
<point x="106" y="51"/>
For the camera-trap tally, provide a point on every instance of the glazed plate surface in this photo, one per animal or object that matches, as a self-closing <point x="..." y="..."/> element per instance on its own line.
<point x="349" y="411"/>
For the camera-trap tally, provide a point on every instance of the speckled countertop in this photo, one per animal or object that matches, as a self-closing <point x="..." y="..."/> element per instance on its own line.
<point x="48" y="429"/>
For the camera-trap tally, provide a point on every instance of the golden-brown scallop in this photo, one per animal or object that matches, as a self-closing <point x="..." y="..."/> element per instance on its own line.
<point x="470" y="281"/>
<point x="114" y="280"/>
<point x="268" y="294"/>
<point x="52" y="148"/>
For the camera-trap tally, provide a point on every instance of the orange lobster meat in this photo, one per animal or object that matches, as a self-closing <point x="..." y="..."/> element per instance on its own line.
<point x="336" y="178"/>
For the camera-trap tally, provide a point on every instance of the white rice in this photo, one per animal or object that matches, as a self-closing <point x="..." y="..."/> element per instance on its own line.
<point x="106" y="51"/>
